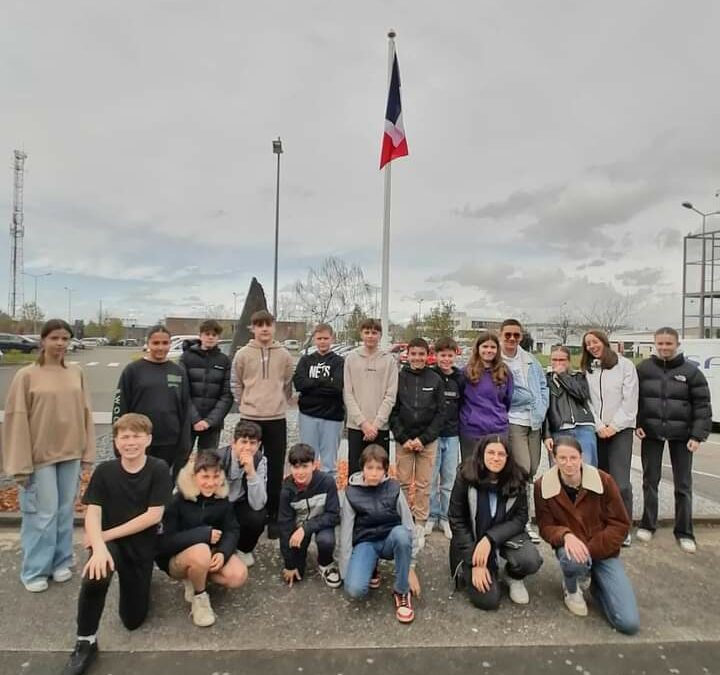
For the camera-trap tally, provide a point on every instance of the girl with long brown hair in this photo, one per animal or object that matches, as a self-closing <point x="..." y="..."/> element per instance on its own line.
<point x="487" y="396"/>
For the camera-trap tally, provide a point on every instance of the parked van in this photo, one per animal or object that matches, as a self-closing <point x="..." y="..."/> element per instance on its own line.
<point x="706" y="353"/>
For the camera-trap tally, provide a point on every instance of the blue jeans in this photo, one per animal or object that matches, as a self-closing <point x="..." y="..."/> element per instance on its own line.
<point x="611" y="586"/>
<point x="586" y="436"/>
<point x="447" y="457"/>
<point x="46" y="532"/>
<point x="396" y="546"/>
<point x="324" y="437"/>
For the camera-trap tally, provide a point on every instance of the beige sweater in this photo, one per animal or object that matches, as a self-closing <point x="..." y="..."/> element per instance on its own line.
<point x="261" y="381"/>
<point x="370" y="387"/>
<point x="47" y="419"/>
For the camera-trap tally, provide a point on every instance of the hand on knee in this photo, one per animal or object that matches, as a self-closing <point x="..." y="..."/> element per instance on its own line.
<point x="198" y="557"/>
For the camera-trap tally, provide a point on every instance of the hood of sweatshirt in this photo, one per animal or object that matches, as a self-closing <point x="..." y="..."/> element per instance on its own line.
<point x="189" y="490"/>
<point x="256" y="345"/>
<point x="358" y="480"/>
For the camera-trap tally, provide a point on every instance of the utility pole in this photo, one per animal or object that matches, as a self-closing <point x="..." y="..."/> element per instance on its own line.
<point x="17" y="234"/>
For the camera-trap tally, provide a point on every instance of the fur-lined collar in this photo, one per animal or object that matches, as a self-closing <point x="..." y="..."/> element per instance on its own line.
<point x="189" y="490"/>
<point x="551" y="486"/>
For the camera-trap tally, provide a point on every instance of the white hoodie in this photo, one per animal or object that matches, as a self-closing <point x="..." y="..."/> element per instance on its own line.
<point x="614" y="394"/>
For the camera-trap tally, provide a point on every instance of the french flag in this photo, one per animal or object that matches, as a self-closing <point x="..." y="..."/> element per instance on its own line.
<point x="394" y="142"/>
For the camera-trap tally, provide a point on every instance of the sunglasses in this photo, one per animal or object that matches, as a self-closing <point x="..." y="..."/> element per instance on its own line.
<point x="514" y="336"/>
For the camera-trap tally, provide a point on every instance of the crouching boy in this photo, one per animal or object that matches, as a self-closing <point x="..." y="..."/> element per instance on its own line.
<point x="309" y="506"/>
<point x="125" y="501"/>
<point x="200" y="535"/>
<point x="245" y="467"/>
<point x="375" y="522"/>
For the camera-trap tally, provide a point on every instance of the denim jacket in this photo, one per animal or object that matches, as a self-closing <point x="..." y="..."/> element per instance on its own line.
<point x="535" y="397"/>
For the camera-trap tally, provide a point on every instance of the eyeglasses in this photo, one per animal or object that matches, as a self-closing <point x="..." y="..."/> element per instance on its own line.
<point x="512" y="336"/>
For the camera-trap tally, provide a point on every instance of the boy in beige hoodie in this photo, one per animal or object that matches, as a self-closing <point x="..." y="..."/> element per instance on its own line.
<point x="369" y="389"/>
<point x="261" y="382"/>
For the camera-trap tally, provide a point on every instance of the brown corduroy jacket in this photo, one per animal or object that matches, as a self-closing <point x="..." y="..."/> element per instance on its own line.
<point x="598" y="517"/>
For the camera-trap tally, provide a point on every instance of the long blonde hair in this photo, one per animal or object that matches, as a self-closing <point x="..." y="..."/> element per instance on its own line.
<point x="476" y="366"/>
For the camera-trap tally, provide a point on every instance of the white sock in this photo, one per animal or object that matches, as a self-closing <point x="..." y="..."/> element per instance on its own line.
<point x="92" y="639"/>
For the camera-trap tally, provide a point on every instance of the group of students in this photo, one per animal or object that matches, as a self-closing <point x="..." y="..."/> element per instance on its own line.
<point x="492" y="416"/>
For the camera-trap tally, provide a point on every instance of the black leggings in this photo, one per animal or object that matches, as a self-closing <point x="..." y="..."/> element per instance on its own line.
<point x="134" y="577"/>
<point x="356" y="444"/>
<point x="274" y="442"/>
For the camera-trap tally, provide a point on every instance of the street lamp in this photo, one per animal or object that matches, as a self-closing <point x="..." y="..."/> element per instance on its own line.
<point x="420" y="302"/>
<point x="277" y="150"/>
<point x="69" y="299"/>
<point x="235" y="297"/>
<point x="35" y="301"/>
<point x="701" y="314"/>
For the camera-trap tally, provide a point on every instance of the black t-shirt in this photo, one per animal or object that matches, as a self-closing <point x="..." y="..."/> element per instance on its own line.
<point x="571" y="492"/>
<point x="124" y="496"/>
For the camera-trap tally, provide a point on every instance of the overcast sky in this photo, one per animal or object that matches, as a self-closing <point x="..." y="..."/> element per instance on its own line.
<point x="550" y="147"/>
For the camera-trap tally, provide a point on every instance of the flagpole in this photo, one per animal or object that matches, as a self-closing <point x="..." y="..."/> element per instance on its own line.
<point x="385" y="292"/>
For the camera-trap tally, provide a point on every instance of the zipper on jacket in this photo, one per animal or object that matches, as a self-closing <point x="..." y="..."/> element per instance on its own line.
<point x="601" y="396"/>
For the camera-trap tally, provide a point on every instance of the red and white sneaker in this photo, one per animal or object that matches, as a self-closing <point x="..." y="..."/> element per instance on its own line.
<point x="404" y="611"/>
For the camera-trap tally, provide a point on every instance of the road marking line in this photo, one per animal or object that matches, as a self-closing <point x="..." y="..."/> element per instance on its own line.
<point x="698" y="473"/>
<point x="113" y="365"/>
<point x="93" y="363"/>
<point x="74" y="362"/>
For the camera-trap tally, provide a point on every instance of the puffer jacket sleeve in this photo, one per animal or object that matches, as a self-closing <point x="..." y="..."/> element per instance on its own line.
<point x="463" y="539"/>
<point x="701" y="407"/>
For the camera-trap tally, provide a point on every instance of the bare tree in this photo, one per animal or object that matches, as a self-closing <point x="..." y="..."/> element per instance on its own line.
<point x="609" y="314"/>
<point x="564" y="323"/>
<point x="333" y="291"/>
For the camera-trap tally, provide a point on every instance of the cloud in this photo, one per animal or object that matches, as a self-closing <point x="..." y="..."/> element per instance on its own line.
<point x="598" y="262"/>
<point x="645" y="277"/>
<point x="669" y="237"/>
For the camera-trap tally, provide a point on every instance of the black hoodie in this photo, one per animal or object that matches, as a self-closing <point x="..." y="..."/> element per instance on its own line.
<point x="319" y="380"/>
<point x="419" y="410"/>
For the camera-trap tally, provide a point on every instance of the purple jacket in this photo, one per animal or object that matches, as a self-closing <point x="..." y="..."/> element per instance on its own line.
<point x="484" y="409"/>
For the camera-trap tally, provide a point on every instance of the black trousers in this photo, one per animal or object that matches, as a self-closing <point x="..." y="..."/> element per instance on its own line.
<point x="134" y="577"/>
<point x="206" y="440"/>
<point x="521" y="562"/>
<point x="682" y="460"/>
<point x="615" y="458"/>
<point x="172" y="455"/>
<point x="356" y="444"/>
<point x="274" y="441"/>
<point x="252" y="524"/>
<point x="325" y="542"/>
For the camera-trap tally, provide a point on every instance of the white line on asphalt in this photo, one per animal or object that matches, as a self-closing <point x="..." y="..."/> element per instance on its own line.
<point x="113" y="365"/>
<point x="93" y="363"/>
<point x="75" y="362"/>
<point x="697" y="473"/>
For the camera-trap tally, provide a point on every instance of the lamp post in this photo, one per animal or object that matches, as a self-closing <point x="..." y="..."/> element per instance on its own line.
<point x="35" y="301"/>
<point x="701" y="310"/>
<point x="69" y="300"/>
<point x="277" y="150"/>
<point x="235" y="297"/>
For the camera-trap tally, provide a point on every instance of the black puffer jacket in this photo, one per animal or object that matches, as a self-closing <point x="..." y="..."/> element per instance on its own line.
<point x="419" y="410"/>
<point x="569" y="402"/>
<point x="209" y="376"/>
<point x="674" y="402"/>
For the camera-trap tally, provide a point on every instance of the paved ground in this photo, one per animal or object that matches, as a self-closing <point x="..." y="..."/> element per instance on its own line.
<point x="685" y="658"/>
<point x="678" y="596"/>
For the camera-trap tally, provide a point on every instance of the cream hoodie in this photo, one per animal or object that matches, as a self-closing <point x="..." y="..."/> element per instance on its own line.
<point x="370" y="387"/>
<point x="261" y="380"/>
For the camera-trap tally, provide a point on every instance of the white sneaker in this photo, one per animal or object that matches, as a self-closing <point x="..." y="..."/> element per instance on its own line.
<point x="247" y="558"/>
<point x="643" y="535"/>
<point x="429" y="526"/>
<point x="446" y="528"/>
<point x="518" y="592"/>
<point x="189" y="590"/>
<point x="575" y="602"/>
<point x="201" y="610"/>
<point x="36" y="586"/>
<point x="62" y="575"/>
<point x="628" y="541"/>
<point x="330" y="575"/>
<point x="420" y="535"/>
<point x="534" y="536"/>
<point x="687" y="545"/>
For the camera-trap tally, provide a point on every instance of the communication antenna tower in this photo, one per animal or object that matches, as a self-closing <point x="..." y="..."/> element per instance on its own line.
<point x="17" y="234"/>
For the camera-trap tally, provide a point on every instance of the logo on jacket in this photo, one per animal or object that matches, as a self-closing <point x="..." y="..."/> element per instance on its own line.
<point x="680" y="378"/>
<point x="319" y="370"/>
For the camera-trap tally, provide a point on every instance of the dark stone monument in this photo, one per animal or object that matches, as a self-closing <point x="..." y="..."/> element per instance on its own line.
<point x="254" y="302"/>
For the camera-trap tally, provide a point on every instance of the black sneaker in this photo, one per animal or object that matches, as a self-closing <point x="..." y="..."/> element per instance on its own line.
<point x="83" y="655"/>
<point x="273" y="530"/>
